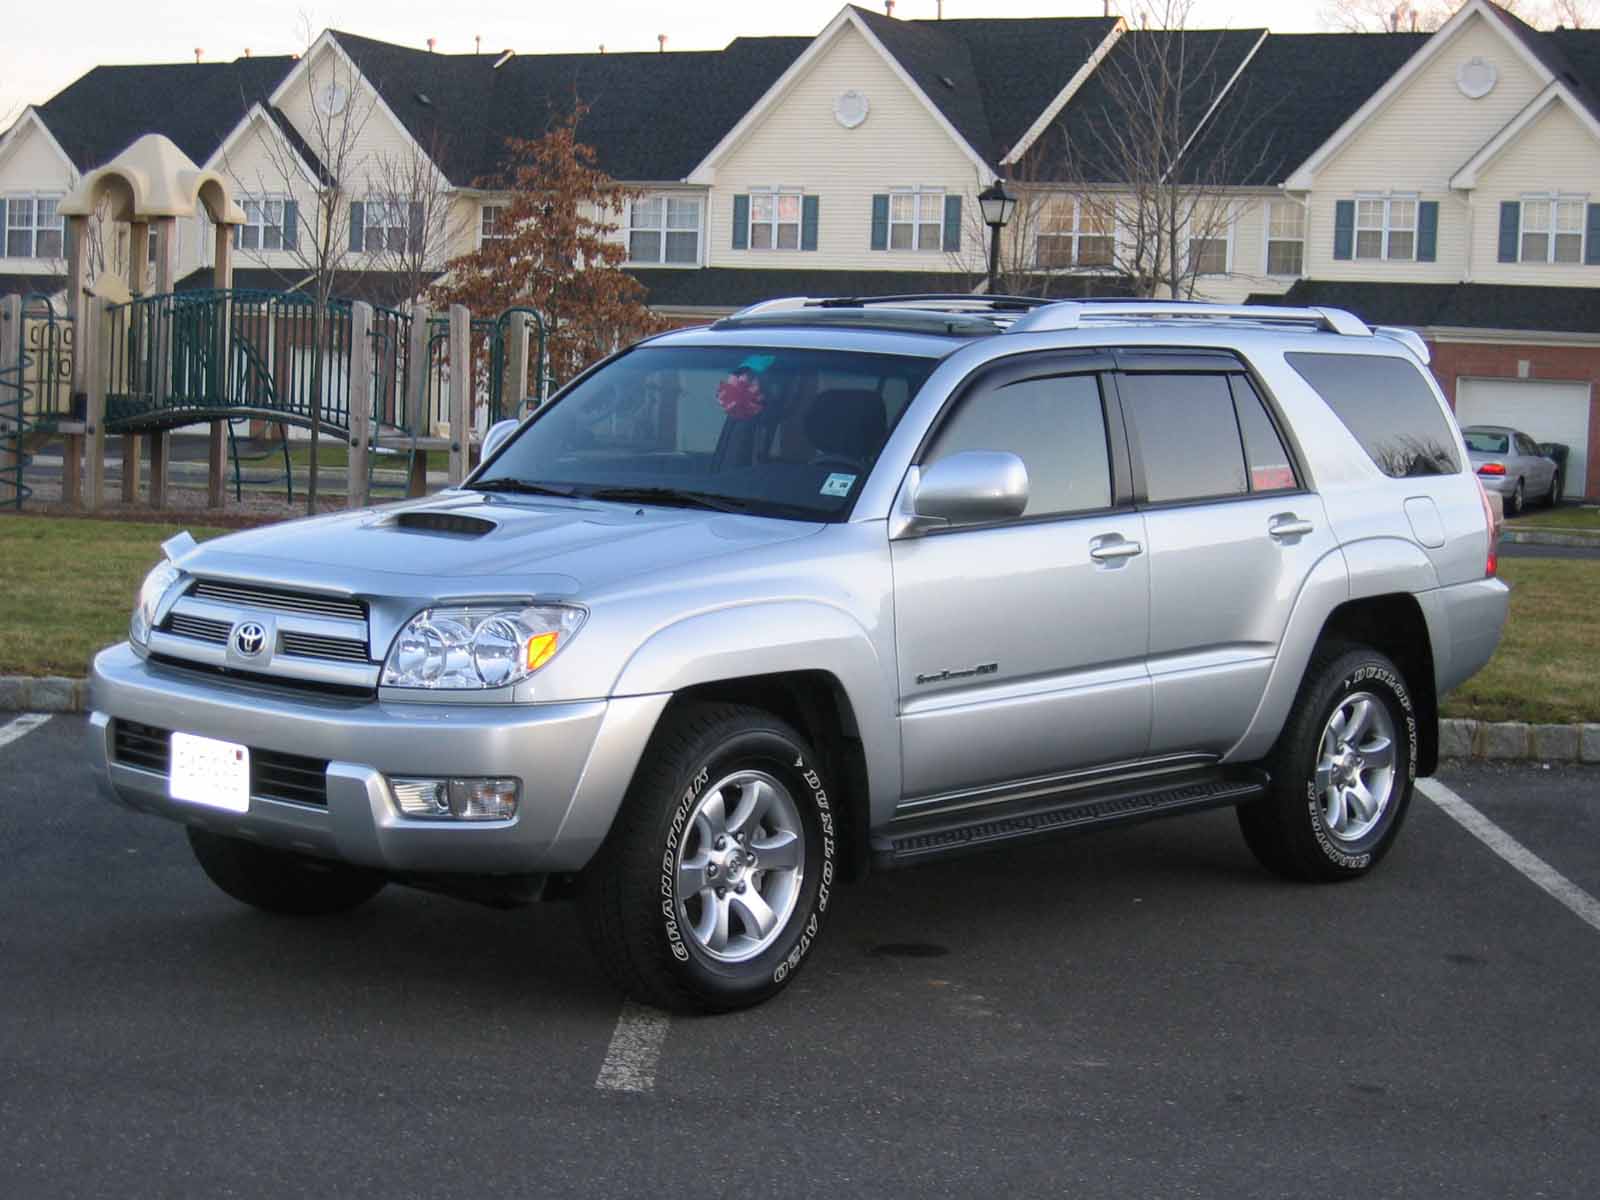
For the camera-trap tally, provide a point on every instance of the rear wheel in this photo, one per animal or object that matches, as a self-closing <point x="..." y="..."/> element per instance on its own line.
<point x="1342" y="771"/>
<point x="1555" y="490"/>
<point x="1515" y="503"/>
<point x="280" y="882"/>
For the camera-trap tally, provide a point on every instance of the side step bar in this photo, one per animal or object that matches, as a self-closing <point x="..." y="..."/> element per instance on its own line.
<point x="939" y="836"/>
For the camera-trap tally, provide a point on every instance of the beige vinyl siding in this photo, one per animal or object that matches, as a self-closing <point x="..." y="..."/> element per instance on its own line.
<point x="33" y="166"/>
<point x="1414" y="145"/>
<point x="1556" y="153"/>
<point x="253" y="164"/>
<point x="382" y="136"/>
<point x="797" y="143"/>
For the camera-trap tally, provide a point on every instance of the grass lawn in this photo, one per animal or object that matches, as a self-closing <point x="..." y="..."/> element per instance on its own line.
<point x="70" y="586"/>
<point x="329" y="454"/>
<point x="1547" y="669"/>
<point x="1567" y="517"/>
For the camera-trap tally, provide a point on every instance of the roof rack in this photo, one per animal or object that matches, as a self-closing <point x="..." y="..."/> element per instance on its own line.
<point x="958" y="302"/>
<point x="1071" y="314"/>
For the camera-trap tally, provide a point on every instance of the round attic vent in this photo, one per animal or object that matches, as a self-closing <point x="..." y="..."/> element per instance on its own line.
<point x="330" y="98"/>
<point x="1476" y="78"/>
<point x="851" y="108"/>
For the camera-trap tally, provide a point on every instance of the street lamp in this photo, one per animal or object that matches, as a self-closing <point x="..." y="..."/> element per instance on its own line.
<point x="997" y="206"/>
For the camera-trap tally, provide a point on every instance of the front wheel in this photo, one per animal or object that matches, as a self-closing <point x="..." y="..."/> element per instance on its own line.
<point x="712" y="888"/>
<point x="1342" y="771"/>
<point x="1554" y="497"/>
<point x="278" y="881"/>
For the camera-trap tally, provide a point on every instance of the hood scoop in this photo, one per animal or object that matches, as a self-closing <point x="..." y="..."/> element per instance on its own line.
<point x="453" y="524"/>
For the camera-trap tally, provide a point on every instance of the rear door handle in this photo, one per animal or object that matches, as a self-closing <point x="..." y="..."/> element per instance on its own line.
<point x="1288" y="527"/>
<point x="1107" y="550"/>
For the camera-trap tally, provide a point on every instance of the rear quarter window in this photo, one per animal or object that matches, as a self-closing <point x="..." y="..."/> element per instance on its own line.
<point x="1389" y="407"/>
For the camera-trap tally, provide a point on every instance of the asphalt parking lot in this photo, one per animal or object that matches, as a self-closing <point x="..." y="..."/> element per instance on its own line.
<point x="1136" y="1013"/>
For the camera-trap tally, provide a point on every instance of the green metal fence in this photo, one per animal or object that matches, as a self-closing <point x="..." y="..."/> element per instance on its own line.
<point x="35" y="391"/>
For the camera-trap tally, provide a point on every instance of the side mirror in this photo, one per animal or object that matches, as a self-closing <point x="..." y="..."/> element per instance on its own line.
<point x="969" y="488"/>
<point x="497" y="436"/>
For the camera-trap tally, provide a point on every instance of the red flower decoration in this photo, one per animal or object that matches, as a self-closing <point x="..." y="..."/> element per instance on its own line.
<point x="740" y="396"/>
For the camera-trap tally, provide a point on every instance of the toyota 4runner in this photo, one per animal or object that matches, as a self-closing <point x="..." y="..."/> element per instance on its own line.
<point x="831" y="586"/>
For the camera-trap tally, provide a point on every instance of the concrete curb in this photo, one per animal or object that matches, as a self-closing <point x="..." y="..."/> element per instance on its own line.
<point x="1540" y="537"/>
<point x="1502" y="741"/>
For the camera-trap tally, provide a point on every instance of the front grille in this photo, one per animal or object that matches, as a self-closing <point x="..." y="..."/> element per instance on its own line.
<point x="311" y="645"/>
<point x="200" y="629"/>
<point x="249" y="596"/>
<point x="273" y="775"/>
<point x="286" y="683"/>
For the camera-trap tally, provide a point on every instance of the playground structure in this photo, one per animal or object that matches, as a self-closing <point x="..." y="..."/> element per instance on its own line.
<point x="135" y="357"/>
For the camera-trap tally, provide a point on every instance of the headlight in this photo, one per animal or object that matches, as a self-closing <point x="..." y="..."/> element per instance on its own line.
<point x="483" y="646"/>
<point x="154" y="587"/>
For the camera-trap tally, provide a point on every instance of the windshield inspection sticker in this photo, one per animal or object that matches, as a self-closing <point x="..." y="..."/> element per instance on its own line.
<point x="837" y="484"/>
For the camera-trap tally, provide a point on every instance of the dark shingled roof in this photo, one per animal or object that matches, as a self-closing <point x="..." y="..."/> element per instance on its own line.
<point x="942" y="67"/>
<point x="102" y="113"/>
<point x="1457" y="305"/>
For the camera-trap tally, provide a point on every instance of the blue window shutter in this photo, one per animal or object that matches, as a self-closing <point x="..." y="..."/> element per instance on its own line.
<point x="741" y="222"/>
<point x="1428" y="231"/>
<point x="1591" y="241"/>
<point x="291" y="225"/>
<point x="880" y="222"/>
<point x="952" y="223"/>
<point x="1510" y="229"/>
<point x="1344" y="230"/>
<point x="415" y="232"/>
<point x="3" y="233"/>
<point x="356" y="232"/>
<point x="808" y="222"/>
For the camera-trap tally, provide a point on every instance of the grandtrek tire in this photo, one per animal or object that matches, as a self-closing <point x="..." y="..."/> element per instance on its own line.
<point x="1342" y="771"/>
<point x="711" y="891"/>
<point x="277" y="881"/>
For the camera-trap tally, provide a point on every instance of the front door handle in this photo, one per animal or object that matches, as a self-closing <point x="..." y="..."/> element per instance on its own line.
<point x="1288" y="527"/>
<point x="1108" y="550"/>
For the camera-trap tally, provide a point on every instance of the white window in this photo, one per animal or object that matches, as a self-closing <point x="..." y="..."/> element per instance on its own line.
<point x="774" y="219"/>
<point x="1386" y="228"/>
<point x="263" y="224"/>
<point x="1075" y="233"/>
<point x="666" y="229"/>
<point x="33" y="228"/>
<point x="916" y="218"/>
<point x="1552" y="229"/>
<point x="492" y="223"/>
<point x="1209" y="255"/>
<point x="384" y="224"/>
<point x="1286" y="237"/>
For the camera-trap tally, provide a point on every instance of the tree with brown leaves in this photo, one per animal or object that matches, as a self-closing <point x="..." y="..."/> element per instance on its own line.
<point x="553" y="249"/>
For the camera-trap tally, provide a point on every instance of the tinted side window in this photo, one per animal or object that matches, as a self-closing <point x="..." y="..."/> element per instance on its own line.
<point x="1270" y="468"/>
<point x="1389" y="408"/>
<point x="1187" y="434"/>
<point x="1057" y="427"/>
<point x="1525" y="445"/>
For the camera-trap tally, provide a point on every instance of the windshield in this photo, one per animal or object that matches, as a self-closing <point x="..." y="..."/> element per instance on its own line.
<point x="771" y="431"/>
<point x="1485" y="443"/>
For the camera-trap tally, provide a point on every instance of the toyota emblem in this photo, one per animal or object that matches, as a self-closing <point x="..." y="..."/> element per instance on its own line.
<point x="249" y="639"/>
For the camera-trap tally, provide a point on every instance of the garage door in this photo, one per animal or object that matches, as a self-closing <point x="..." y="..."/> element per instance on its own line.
<point x="1546" y="412"/>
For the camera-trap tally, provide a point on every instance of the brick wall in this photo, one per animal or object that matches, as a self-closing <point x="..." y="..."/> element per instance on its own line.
<point x="1453" y="360"/>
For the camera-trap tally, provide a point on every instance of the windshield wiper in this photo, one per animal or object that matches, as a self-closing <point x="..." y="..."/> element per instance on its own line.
<point x="521" y="486"/>
<point x="675" y="497"/>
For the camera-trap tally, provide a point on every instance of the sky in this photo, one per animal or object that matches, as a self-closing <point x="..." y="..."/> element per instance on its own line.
<point x="58" y="42"/>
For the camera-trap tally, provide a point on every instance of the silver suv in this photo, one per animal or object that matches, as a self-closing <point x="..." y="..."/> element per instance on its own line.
<point x="831" y="586"/>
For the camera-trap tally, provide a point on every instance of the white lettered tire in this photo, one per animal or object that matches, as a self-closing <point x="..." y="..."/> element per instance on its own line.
<point x="712" y="889"/>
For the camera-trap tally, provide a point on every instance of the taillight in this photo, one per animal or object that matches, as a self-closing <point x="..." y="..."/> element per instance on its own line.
<point x="1492" y="560"/>
<point x="1492" y="469"/>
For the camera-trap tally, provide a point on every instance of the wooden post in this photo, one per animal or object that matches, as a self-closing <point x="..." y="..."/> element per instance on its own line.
<point x="94" y="414"/>
<point x="514" y="375"/>
<point x="216" y="444"/>
<point x="361" y="402"/>
<point x="461" y="386"/>
<point x="10" y="351"/>
<point x="83" y="361"/>
<point x="138" y="282"/>
<point x="417" y="396"/>
<point x="166" y="269"/>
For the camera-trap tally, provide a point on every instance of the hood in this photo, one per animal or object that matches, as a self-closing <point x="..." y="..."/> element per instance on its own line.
<point x="463" y="543"/>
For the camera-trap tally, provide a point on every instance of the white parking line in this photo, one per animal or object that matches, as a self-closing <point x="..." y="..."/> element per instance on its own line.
<point x="24" y="724"/>
<point x="630" y="1064"/>
<point x="1580" y="902"/>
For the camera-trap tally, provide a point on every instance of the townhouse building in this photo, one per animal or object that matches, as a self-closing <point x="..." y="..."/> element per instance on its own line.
<point x="1447" y="182"/>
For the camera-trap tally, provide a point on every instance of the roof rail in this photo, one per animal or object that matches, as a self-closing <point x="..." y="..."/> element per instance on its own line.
<point x="969" y="302"/>
<point x="1070" y="314"/>
<point x="1409" y="338"/>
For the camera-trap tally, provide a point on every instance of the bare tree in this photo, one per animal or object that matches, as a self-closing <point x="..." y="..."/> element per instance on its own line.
<point x="1142" y="185"/>
<point x="300" y="195"/>
<point x="416" y="224"/>
<point x="1424" y="16"/>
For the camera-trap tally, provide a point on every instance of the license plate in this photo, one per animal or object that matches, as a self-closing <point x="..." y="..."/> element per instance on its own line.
<point x="207" y="771"/>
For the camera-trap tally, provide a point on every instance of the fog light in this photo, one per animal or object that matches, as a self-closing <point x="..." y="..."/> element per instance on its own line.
<point x="457" y="799"/>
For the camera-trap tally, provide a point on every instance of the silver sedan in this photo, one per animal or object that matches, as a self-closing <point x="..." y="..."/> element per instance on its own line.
<point x="1508" y="461"/>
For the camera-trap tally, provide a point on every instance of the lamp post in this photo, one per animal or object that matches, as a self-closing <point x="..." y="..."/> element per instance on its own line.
<point x="997" y="206"/>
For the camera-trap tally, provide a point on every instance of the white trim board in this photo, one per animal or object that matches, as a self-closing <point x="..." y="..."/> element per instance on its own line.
<point x="1467" y="177"/>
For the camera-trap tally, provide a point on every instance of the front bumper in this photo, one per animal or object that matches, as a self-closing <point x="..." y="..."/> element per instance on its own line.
<point x="574" y="761"/>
